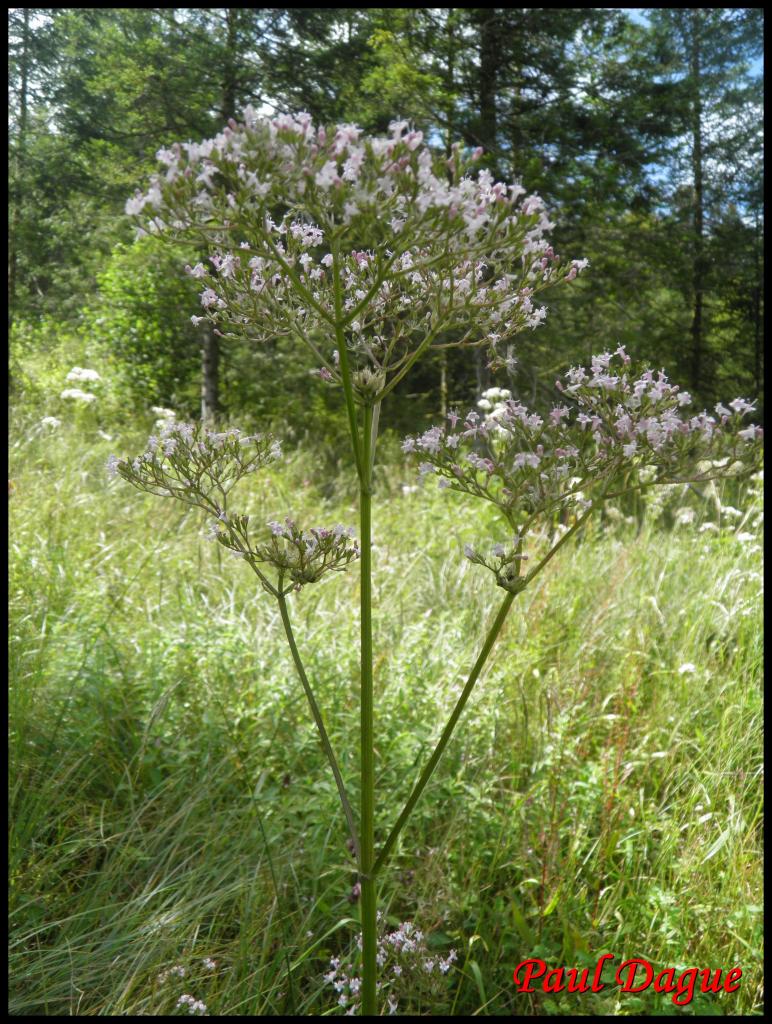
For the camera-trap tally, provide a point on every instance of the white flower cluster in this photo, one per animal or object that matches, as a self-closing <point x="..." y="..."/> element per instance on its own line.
<point x="178" y="971"/>
<point x="454" y="259"/>
<point x="77" y="395"/>
<point x="195" y="1007"/>
<point x="79" y="375"/>
<point x="492" y="402"/>
<point x="407" y="969"/>
<point x="164" y="416"/>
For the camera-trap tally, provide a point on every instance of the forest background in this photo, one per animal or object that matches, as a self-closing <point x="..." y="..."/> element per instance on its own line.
<point x="642" y="133"/>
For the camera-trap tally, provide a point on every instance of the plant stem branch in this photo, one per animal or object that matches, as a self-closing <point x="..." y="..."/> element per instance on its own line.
<point x="493" y="633"/>
<point x="345" y="371"/>
<point x="367" y="824"/>
<point x="320" y="726"/>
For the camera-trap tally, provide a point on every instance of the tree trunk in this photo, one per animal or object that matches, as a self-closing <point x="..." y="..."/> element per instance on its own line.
<point x="230" y="76"/>
<point x="210" y="347"/>
<point x="757" y="334"/>
<point x="698" y="266"/>
<point x="488" y="80"/>
<point x="443" y="383"/>
<point x="210" y="380"/>
<point x="19" y="168"/>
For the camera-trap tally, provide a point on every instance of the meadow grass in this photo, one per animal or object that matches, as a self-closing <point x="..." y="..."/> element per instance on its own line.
<point x="169" y="800"/>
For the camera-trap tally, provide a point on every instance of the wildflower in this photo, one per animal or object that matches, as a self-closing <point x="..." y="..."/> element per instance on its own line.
<point x="741" y="406"/>
<point x="616" y="425"/>
<point x="407" y="968"/>
<point x="199" y="467"/>
<point x="392" y="189"/>
<point x="687" y="669"/>
<point x="177" y="971"/>
<point x="80" y="375"/>
<point x="195" y="1006"/>
<point x="750" y="433"/>
<point x="51" y="421"/>
<point x="76" y="395"/>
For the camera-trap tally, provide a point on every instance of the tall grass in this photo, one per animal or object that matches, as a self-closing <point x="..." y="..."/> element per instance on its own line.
<point x="170" y="802"/>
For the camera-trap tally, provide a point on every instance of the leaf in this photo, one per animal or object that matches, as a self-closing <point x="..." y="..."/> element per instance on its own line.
<point x="718" y="845"/>
<point x="553" y="902"/>
<point x="522" y="926"/>
<point x="475" y="968"/>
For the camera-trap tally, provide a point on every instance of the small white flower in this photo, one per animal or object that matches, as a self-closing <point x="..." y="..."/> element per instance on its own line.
<point x="78" y="396"/>
<point x="78" y="374"/>
<point x="684" y="516"/>
<point x="687" y="669"/>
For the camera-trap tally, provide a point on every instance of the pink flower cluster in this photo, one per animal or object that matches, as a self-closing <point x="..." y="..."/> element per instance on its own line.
<point x="452" y="258"/>
<point x="187" y="458"/>
<point x="408" y="971"/>
<point x="613" y="432"/>
<point x="200" y="467"/>
<point x="300" y="556"/>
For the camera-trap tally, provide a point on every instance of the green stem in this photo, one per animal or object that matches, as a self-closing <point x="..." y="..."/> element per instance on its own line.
<point x="493" y="633"/>
<point x="412" y="360"/>
<point x="465" y="694"/>
<point x="345" y="371"/>
<point x="367" y="824"/>
<point x="320" y="726"/>
<point x="569" y="533"/>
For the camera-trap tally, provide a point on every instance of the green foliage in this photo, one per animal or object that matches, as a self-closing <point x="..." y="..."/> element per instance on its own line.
<point x="170" y="801"/>
<point x="141" y="321"/>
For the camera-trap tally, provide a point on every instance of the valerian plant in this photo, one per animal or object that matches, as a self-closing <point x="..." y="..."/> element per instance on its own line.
<point x="370" y="252"/>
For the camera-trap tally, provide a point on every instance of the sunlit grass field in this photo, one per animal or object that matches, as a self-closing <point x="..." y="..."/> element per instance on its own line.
<point x="170" y="801"/>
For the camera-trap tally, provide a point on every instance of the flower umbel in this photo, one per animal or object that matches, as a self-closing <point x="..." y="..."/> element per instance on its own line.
<point x="614" y="433"/>
<point x="454" y="258"/>
<point x="200" y="467"/>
